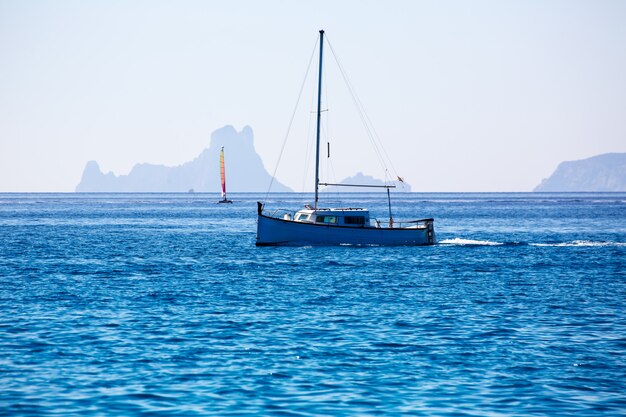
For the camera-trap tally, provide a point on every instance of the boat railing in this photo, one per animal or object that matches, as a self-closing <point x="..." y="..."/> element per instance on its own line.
<point x="277" y="213"/>
<point x="284" y="214"/>
<point x="402" y="224"/>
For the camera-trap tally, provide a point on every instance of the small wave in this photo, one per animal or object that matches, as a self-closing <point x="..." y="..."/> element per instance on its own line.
<point x="469" y="242"/>
<point x="336" y="263"/>
<point x="580" y="243"/>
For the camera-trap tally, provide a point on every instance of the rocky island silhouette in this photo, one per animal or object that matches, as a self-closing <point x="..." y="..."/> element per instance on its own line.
<point x="246" y="172"/>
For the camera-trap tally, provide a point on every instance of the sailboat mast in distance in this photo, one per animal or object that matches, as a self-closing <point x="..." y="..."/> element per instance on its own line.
<point x="222" y="173"/>
<point x="223" y="177"/>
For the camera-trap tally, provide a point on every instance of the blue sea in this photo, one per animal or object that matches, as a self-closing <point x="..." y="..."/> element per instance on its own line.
<point x="160" y="304"/>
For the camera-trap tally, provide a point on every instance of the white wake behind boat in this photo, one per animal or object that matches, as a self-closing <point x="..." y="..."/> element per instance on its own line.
<point x="335" y="226"/>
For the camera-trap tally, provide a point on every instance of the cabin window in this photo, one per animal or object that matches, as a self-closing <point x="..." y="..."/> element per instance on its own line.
<point x="302" y="217"/>
<point x="326" y="219"/>
<point x="356" y="220"/>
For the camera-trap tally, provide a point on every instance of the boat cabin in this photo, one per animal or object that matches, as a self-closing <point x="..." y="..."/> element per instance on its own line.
<point x="354" y="217"/>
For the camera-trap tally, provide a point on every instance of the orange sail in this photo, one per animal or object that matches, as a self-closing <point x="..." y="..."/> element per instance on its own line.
<point x="223" y="173"/>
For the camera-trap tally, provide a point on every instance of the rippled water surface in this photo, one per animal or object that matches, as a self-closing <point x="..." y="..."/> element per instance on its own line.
<point x="160" y="304"/>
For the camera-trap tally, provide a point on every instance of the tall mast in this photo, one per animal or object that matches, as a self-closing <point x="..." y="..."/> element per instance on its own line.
<point x="319" y="114"/>
<point x="223" y="173"/>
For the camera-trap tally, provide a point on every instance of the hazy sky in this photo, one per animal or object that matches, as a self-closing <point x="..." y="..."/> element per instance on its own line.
<point x="465" y="95"/>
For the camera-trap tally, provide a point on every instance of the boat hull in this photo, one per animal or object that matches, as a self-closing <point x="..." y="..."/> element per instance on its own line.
<point x="273" y="231"/>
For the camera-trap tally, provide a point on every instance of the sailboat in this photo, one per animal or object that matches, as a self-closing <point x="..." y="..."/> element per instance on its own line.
<point x="223" y="177"/>
<point x="335" y="226"/>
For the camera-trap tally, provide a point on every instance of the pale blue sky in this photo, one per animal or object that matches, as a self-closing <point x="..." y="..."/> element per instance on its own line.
<point x="465" y="95"/>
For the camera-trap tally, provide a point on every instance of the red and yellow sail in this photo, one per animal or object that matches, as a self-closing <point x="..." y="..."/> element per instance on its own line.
<point x="223" y="173"/>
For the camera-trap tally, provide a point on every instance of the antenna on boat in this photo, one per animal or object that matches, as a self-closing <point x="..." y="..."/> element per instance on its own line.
<point x="319" y="104"/>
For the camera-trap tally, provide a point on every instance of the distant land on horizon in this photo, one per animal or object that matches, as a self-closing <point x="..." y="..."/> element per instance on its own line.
<point x="244" y="170"/>
<point x="600" y="173"/>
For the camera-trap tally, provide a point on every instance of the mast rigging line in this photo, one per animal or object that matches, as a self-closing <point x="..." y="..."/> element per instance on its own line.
<point x="293" y="115"/>
<point x="383" y="158"/>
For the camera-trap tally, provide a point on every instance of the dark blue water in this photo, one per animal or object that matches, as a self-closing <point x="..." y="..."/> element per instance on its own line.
<point x="161" y="305"/>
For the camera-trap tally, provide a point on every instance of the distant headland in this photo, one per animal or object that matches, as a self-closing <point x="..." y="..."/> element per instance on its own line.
<point x="601" y="173"/>
<point x="244" y="172"/>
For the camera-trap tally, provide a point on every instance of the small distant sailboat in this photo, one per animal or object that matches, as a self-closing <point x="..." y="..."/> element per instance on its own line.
<point x="223" y="177"/>
<point x="335" y="226"/>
